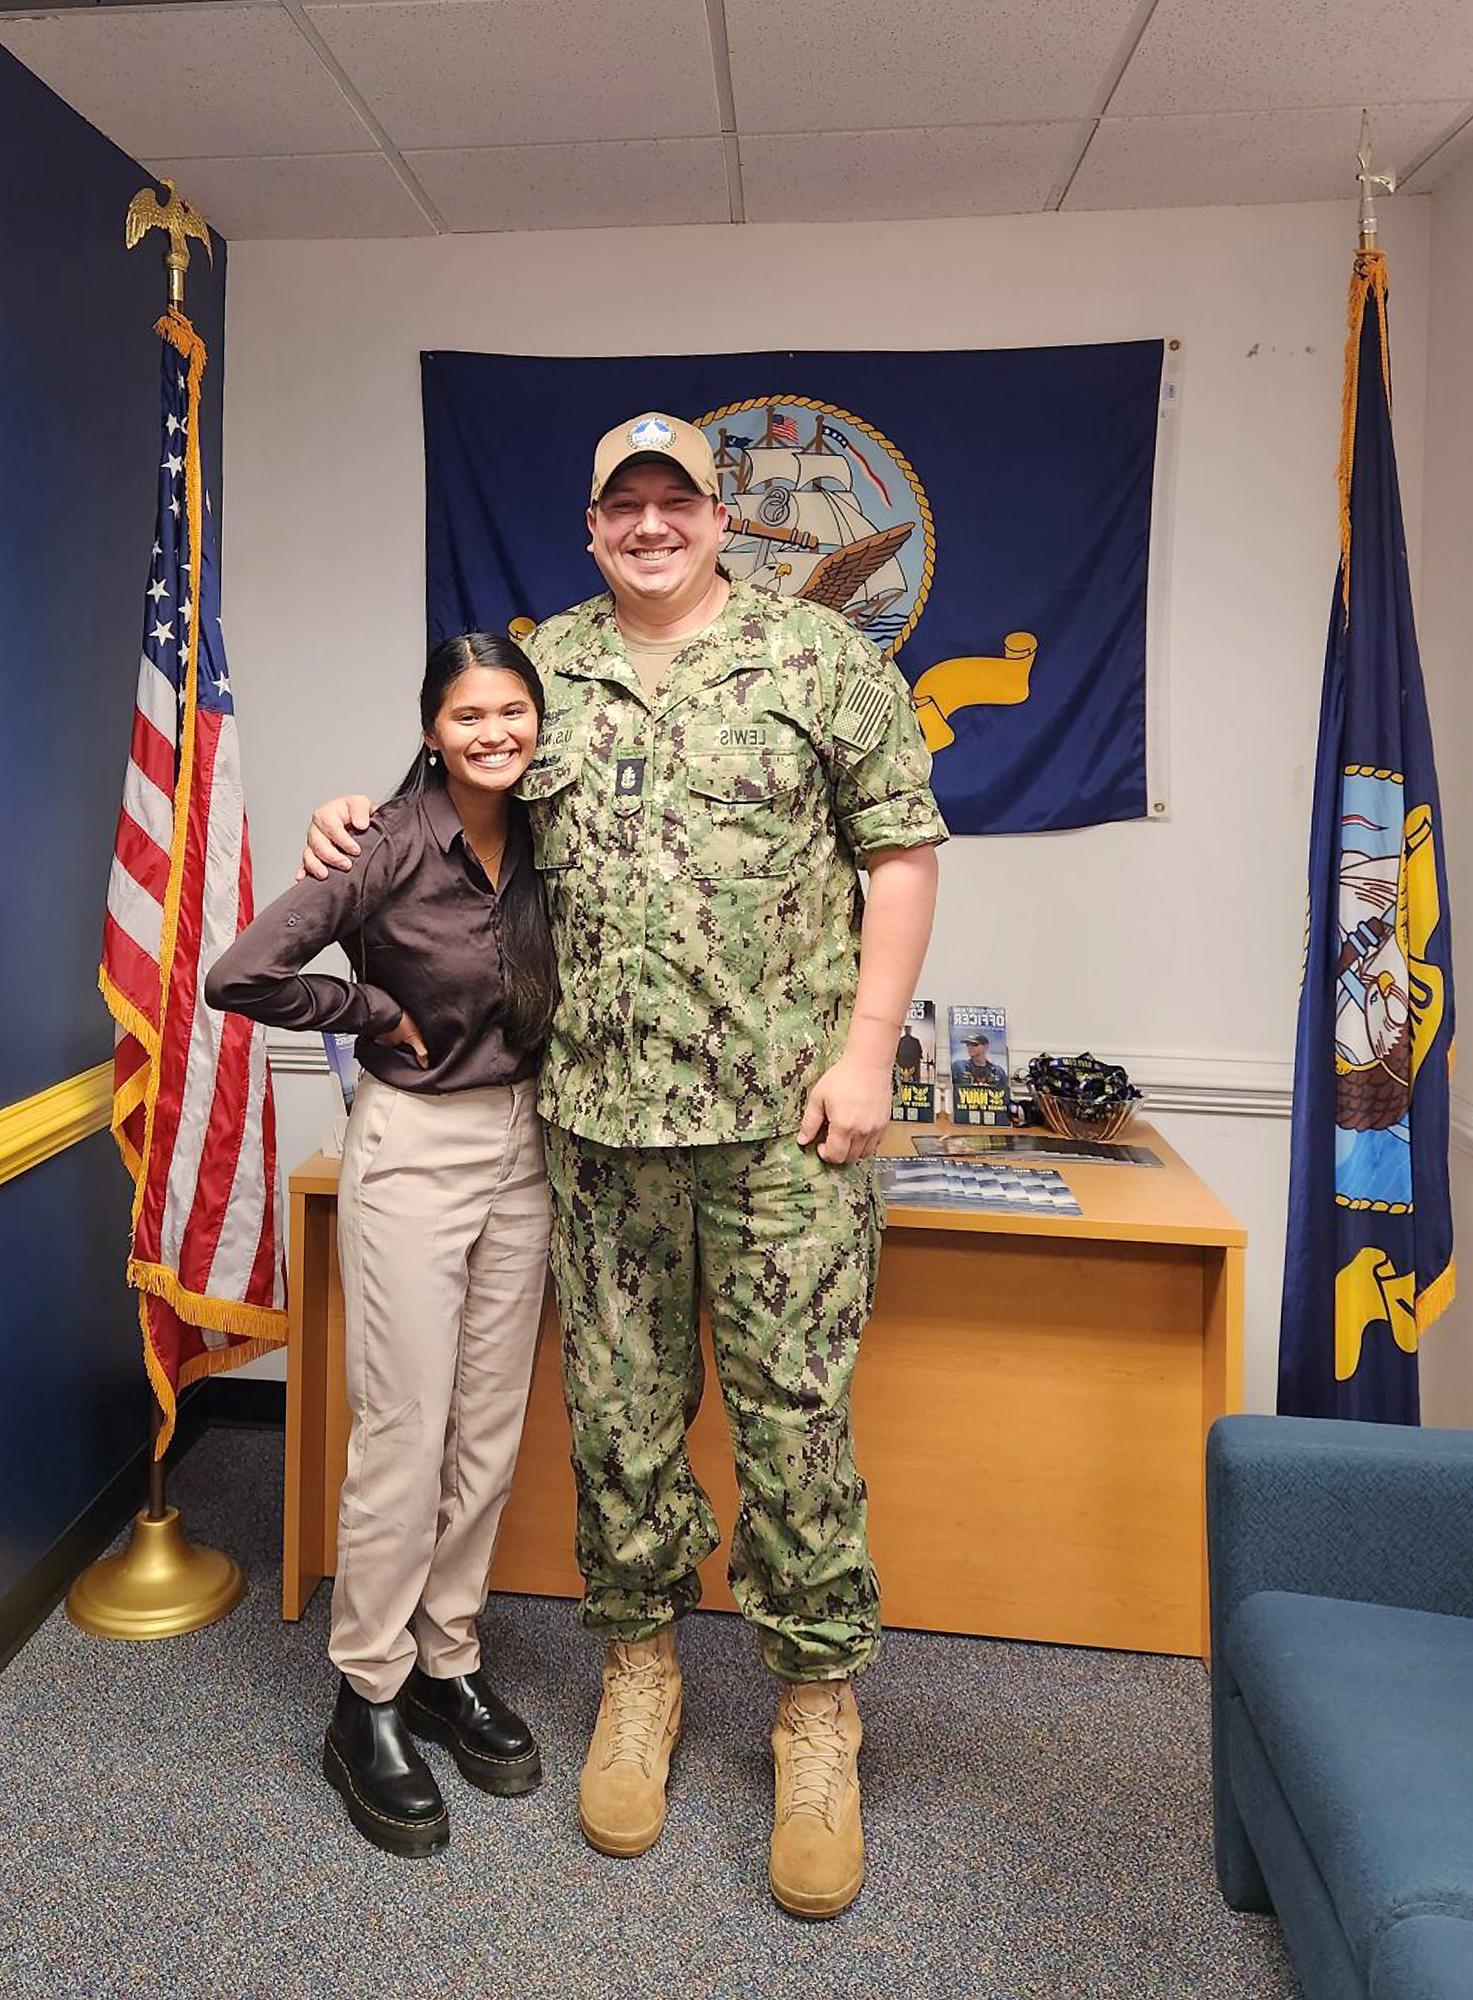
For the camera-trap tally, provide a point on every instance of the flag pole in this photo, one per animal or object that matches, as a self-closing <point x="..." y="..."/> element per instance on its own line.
<point x="161" y="1584"/>
<point x="1369" y="182"/>
<point x="157" y="1503"/>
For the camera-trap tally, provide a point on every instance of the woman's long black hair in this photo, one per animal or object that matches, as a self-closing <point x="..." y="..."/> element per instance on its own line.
<point x="528" y="967"/>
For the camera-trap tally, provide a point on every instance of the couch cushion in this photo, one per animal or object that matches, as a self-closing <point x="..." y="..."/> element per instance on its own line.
<point x="1365" y="1712"/>
<point x="1424" y="1958"/>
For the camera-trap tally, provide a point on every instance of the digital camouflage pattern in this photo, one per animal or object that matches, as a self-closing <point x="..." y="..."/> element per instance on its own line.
<point x="699" y="849"/>
<point x="785" y="1248"/>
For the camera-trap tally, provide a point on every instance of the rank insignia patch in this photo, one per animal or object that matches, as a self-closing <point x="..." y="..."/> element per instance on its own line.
<point x="629" y="777"/>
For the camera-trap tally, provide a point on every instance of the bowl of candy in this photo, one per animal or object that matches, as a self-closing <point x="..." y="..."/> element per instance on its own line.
<point x="1080" y="1098"/>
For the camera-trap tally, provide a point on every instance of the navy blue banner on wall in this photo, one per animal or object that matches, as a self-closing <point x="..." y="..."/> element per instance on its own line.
<point x="984" y="517"/>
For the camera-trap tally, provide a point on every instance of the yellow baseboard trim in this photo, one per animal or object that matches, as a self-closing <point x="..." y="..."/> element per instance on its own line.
<point x="39" y="1127"/>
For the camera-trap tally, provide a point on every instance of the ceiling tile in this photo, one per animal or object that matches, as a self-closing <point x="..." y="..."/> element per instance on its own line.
<point x="901" y="176"/>
<point x="1449" y="157"/>
<point x="1243" y="157"/>
<point x="1259" y="55"/>
<point x="189" y="81"/>
<point x="618" y="183"/>
<point x="332" y="195"/>
<point x="844" y="65"/>
<point x="463" y="73"/>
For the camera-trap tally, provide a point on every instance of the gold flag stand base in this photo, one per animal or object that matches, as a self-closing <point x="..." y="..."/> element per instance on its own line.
<point x="160" y="1585"/>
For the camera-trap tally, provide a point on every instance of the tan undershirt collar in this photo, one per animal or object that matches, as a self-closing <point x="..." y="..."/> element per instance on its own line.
<point x="652" y="659"/>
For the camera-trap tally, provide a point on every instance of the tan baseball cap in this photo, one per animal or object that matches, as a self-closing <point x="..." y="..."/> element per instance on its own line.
<point x="655" y="436"/>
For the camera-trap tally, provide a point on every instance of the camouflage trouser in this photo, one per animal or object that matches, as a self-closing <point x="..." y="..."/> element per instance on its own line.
<point x="784" y="1249"/>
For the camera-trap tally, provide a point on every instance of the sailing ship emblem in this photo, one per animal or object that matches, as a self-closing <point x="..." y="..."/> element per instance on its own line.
<point x="826" y="508"/>
<point x="1389" y="998"/>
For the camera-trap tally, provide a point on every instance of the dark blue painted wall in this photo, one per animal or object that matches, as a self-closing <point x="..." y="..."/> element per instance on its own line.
<point x="79" y="415"/>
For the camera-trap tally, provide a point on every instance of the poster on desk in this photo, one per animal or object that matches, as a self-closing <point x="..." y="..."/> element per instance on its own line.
<point x="984" y="517"/>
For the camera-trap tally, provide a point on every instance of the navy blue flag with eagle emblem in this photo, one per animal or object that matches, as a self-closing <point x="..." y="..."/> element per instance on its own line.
<point x="984" y="517"/>
<point x="1369" y="1259"/>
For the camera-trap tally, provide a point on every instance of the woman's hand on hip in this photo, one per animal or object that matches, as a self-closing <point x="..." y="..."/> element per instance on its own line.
<point x="404" y="1035"/>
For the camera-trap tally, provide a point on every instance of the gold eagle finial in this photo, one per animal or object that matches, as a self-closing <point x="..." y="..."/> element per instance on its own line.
<point x="180" y="219"/>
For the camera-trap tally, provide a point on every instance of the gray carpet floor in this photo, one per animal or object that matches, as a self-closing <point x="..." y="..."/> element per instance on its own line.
<point x="1037" y="1819"/>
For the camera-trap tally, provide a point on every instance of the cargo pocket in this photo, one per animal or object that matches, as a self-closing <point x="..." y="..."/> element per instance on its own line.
<point x="876" y="1232"/>
<point x="743" y="819"/>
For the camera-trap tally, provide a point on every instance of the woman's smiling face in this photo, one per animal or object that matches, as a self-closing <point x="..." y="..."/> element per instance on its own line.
<point x="486" y="730"/>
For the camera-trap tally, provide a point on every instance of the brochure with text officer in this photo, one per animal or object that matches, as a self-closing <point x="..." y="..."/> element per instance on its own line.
<point x="979" y="1065"/>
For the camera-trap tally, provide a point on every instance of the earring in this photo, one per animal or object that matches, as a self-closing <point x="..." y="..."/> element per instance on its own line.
<point x="434" y="758"/>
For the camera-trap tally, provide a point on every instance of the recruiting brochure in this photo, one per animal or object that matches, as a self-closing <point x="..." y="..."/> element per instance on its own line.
<point x="979" y="1065"/>
<point x="913" y="1083"/>
<point x="978" y="1184"/>
<point x="1030" y="1146"/>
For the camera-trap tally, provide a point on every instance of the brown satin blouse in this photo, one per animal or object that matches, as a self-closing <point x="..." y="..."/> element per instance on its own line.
<point x="420" y="920"/>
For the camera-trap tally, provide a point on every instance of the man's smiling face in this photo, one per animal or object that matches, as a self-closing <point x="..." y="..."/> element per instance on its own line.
<point x="655" y="537"/>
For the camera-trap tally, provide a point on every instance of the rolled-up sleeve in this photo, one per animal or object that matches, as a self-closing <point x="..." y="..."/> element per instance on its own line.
<point x="881" y="766"/>
<point x="260" y="974"/>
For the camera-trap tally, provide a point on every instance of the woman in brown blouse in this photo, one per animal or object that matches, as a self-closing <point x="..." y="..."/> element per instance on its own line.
<point x="442" y="1225"/>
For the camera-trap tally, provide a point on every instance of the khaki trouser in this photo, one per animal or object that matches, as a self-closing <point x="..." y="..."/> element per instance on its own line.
<point x="442" y="1239"/>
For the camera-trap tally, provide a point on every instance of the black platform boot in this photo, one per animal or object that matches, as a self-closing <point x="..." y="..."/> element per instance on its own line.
<point x="388" y="1788"/>
<point x="494" y="1748"/>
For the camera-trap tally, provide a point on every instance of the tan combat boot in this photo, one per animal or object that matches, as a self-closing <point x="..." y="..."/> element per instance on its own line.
<point x="817" y="1863"/>
<point x="621" y="1797"/>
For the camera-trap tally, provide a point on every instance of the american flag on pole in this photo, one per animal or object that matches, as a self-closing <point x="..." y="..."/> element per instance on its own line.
<point x="192" y="1106"/>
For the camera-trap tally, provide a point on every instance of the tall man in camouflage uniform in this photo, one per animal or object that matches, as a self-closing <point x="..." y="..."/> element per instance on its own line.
<point x="715" y="765"/>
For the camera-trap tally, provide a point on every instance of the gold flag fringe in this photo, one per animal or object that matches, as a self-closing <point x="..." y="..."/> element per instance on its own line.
<point x="1433" y="1300"/>
<point x="1369" y="275"/>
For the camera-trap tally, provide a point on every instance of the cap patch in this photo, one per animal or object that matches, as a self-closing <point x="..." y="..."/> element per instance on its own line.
<point x="651" y="434"/>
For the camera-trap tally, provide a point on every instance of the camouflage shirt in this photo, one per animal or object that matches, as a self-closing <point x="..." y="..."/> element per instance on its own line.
<point x="700" y="851"/>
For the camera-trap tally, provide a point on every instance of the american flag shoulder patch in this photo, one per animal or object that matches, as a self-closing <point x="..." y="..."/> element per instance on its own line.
<point x="863" y="714"/>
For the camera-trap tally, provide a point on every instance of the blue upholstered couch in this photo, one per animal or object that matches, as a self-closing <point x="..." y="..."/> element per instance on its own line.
<point x="1342" y="1697"/>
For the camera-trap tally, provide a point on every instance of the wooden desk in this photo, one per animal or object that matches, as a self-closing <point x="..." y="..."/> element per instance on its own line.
<point x="1030" y="1412"/>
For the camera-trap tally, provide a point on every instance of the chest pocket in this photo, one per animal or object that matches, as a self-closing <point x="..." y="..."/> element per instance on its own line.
<point x="549" y="789"/>
<point x="745" y="817"/>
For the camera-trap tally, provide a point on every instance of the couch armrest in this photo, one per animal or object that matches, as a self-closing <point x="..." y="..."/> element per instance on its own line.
<point x="1378" y="1512"/>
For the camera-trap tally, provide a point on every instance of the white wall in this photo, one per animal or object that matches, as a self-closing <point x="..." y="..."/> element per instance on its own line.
<point x="1446" y="632"/>
<point x="1173" y="945"/>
